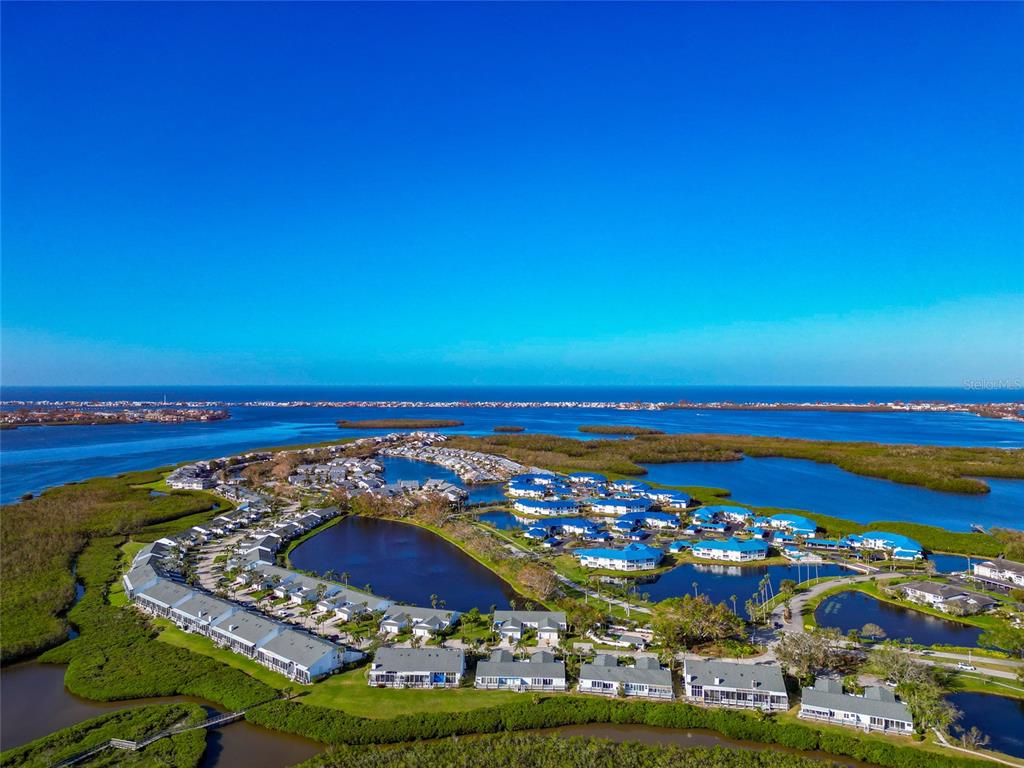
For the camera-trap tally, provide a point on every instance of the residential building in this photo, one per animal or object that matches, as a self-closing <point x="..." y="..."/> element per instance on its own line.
<point x="549" y="624"/>
<point x="545" y="507"/>
<point x="895" y="545"/>
<point x="541" y="672"/>
<point x="646" y="678"/>
<point x="616" y="506"/>
<point x="634" y="557"/>
<point x="795" y="524"/>
<point x="734" y="684"/>
<point x="1002" y="574"/>
<point x="946" y="597"/>
<point x="303" y="657"/>
<point x="733" y="550"/>
<point x="198" y="613"/>
<point x="162" y="597"/>
<point x="876" y="710"/>
<point x="244" y="632"/>
<point x="417" y="668"/>
<point x="424" y="622"/>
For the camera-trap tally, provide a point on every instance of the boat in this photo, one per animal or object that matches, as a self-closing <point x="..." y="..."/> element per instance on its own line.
<point x="977" y="528"/>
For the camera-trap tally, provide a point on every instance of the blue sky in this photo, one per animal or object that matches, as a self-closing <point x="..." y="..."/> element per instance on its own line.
<point x="544" y="194"/>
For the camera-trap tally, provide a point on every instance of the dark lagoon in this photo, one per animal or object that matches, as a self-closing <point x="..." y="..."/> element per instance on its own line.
<point x="403" y="562"/>
<point x="998" y="717"/>
<point x="35" y="703"/>
<point x="828" y="490"/>
<point x="503" y="521"/>
<point x="38" y="457"/>
<point x="852" y="610"/>
<point x="721" y="582"/>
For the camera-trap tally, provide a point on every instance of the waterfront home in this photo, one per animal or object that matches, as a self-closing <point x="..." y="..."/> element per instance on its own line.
<point x="139" y="578"/>
<point x="243" y="632"/>
<point x="1001" y="574"/>
<point x="587" y="478"/>
<point x="794" y="524"/>
<point x="634" y="557"/>
<point x="629" y="486"/>
<point x="546" y="507"/>
<point x="417" y="668"/>
<point x="199" y="612"/>
<point x="828" y="544"/>
<point x="645" y="678"/>
<point x="347" y="604"/>
<point x="574" y="526"/>
<point x="535" y="486"/>
<point x="651" y="519"/>
<point x="537" y="533"/>
<point x="734" y="684"/>
<point x="303" y="657"/>
<point x="733" y="550"/>
<point x="946" y="598"/>
<point x="541" y="672"/>
<point x="616" y="506"/>
<point x="510" y="624"/>
<point x="424" y="622"/>
<point x="162" y="597"/>
<point x="678" y="546"/>
<point x="727" y="513"/>
<point x="876" y="710"/>
<point x="897" y="546"/>
<point x="675" y="500"/>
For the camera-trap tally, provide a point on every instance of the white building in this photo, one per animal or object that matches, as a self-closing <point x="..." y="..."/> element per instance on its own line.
<point x="876" y="710"/>
<point x="417" y="668"/>
<point x="733" y="684"/>
<point x="541" y="672"/>
<point x="646" y="678"/>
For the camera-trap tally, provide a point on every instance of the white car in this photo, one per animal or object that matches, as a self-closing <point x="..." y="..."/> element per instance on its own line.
<point x="966" y="667"/>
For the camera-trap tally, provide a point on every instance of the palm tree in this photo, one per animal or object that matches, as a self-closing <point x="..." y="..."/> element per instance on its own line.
<point x="344" y="577"/>
<point x="695" y="585"/>
<point x="733" y="598"/>
<point x="433" y="601"/>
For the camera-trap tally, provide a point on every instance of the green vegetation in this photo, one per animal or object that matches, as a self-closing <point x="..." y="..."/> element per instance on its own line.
<point x="931" y="538"/>
<point x="42" y="536"/>
<point x="532" y="751"/>
<point x="333" y="727"/>
<point x="398" y="423"/>
<point x="941" y="468"/>
<point x="619" y="429"/>
<point x="117" y="655"/>
<point x="181" y="751"/>
<point x="509" y="429"/>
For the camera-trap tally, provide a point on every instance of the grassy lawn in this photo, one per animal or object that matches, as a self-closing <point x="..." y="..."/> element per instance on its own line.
<point x="350" y="693"/>
<point x="171" y="635"/>
<point x="976" y="682"/>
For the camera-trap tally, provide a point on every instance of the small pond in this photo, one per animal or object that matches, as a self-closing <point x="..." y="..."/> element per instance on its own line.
<point x="998" y="717"/>
<point x="720" y="582"/>
<point x="403" y="562"/>
<point x="852" y="610"/>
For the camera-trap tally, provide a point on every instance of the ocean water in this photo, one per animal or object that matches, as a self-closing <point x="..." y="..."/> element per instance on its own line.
<point x="35" y="458"/>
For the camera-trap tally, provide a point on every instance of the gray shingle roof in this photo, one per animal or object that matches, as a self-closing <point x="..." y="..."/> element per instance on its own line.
<point x="763" y="677"/>
<point x="876" y="702"/>
<point x="606" y="667"/>
<point x="502" y="664"/>
<point x="541" y="618"/>
<point x="204" y="606"/>
<point x="247" y="626"/>
<point x="167" y="592"/>
<point x="419" y="659"/>
<point x="305" y="650"/>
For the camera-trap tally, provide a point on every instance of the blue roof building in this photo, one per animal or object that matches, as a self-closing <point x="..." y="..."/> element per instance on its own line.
<point x="617" y="506"/>
<point x="795" y="524"/>
<point x="652" y="519"/>
<point x="587" y="478"/>
<point x="730" y="513"/>
<point x="901" y="547"/>
<point x="634" y="557"/>
<point x="546" y="507"/>
<point x="734" y="550"/>
<point x="679" y="546"/>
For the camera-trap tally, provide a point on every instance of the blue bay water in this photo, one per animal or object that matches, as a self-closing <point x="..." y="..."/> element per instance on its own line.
<point x="34" y="458"/>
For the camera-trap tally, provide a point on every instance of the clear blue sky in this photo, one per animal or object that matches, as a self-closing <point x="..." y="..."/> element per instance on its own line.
<point x="667" y="193"/>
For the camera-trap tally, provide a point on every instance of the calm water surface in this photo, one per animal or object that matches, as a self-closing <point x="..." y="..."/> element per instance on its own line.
<point x="852" y="610"/>
<point x="35" y="458"/>
<point x="998" y="717"/>
<point x="826" y="489"/>
<point x="397" y="468"/>
<point x="403" y="562"/>
<point x="34" y="703"/>
<point x="721" y="582"/>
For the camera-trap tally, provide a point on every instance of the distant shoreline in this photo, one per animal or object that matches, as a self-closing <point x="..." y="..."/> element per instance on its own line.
<point x="1011" y="411"/>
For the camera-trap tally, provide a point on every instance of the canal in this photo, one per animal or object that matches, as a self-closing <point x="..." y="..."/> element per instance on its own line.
<point x="403" y="562"/>
<point x="397" y="468"/>
<point x="852" y="610"/>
